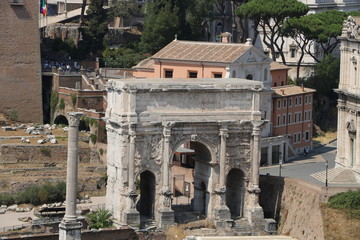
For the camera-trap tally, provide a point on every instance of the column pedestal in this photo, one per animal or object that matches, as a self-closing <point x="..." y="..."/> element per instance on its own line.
<point x="166" y="214"/>
<point x="222" y="212"/>
<point x="131" y="215"/>
<point x="70" y="230"/>
<point x="255" y="213"/>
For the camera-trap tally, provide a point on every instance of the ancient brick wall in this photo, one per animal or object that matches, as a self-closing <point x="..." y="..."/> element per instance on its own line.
<point x="20" y="69"/>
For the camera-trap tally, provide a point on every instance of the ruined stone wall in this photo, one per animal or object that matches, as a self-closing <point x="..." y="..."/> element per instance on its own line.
<point x="294" y="204"/>
<point x="20" y="69"/>
<point x="19" y="153"/>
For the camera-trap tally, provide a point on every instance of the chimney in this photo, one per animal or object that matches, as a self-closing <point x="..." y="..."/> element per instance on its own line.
<point x="226" y="37"/>
<point x="302" y="87"/>
<point x="282" y="91"/>
<point x="248" y="42"/>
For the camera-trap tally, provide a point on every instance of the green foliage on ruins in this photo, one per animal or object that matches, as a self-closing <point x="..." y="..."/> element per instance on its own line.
<point x="13" y="115"/>
<point x="73" y="98"/>
<point x="100" y="218"/>
<point x="90" y="121"/>
<point x="93" y="138"/>
<point x="61" y="104"/>
<point x="124" y="9"/>
<point x="349" y="201"/>
<point x="45" y="151"/>
<point x="36" y="195"/>
<point x="54" y="99"/>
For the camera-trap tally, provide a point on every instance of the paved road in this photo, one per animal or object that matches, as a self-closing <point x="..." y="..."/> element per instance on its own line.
<point x="311" y="168"/>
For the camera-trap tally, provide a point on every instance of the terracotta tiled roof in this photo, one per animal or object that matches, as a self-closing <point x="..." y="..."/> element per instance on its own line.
<point x="147" y="63"/>
<point x="278" y="66"/>
<point x="202" y="51"/>
<point x="289" y="90"/>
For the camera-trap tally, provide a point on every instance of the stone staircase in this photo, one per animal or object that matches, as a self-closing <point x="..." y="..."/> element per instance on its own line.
<point x="148" y="223"/>
<point x="242" y="227"/>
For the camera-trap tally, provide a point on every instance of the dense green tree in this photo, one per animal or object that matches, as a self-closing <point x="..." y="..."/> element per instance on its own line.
<point x="122" y="57"/>
<point x="161" y="26"/>
<point x="96" y="27"/>
<point x="124" y="9"/>
<point x="165" y="18"/>
<point x="270" y="15"/>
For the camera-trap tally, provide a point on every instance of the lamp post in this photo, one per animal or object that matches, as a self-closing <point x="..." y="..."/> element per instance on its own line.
<point x="280" y="163"/>
<point x="326" y="173"/>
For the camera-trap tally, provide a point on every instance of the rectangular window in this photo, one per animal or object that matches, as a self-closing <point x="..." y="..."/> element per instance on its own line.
<point x="16" y="2"/>
<point x="300" y="100"/>
<point x="309" y="99"/>
<point x="296" y="101"/>
<point x="300" y="115"/>
<point x="294" y="138"/>
<point x="293" y="53"/>
<point x="295" y="117"/>
<point x="168" y="73"/>
<point x="284" y="119"/>
<point x="299" y="137"/>
<point x="279" y="104"/>
<point x="289" y="118"/>
<point x="277" y="54"/>
<point x="278" y="120"/>
<point x="305" y="115"/>
<point x="306" y="99"/>
<point x="217" y="75"/>
<point x="309" y="115"/>
<point x="307" y="135"/>
<point x="192" y="74"/>
<point x="284" y="103"/>
<point x="289" y="102"/>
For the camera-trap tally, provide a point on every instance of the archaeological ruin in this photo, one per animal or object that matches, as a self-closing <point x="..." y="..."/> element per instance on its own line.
<point x="214" y="126"/>
<point x="348" y="148"/>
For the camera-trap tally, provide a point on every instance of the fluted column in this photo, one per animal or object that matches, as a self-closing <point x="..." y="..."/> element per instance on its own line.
<point x="131" y="167"/>
<point x="70" y="227"/>
<point x="357" y="142"/>
<point x="255" y="213"/>
<point x="222" y="162"/>
<point x="166" y="214"/>
<point x="222" y="212"/>
<point x="340" y="156"/>
<point x="131" y="215"/>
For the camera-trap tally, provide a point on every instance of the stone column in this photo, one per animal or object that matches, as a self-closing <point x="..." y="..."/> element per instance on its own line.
<point x="339" y="161"/>
<point x="70" y="227"/>
<point x="222" y="212"/>
<point x="255" y="211"/>
<point x="269" y="154"/>
<point x="357" y="142"/>
<point x="131" y="215"/>
<point x="166" y="214"/>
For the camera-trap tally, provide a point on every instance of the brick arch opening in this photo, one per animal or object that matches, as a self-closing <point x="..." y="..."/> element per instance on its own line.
<point x="61" y="120"/>
<point x="146" y="203"/>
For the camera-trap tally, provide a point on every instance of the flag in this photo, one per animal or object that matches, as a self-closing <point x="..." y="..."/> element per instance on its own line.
<point x="43" y="7"/>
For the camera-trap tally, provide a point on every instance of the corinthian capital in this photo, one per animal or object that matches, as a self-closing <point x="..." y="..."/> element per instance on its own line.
<point x="74" y="118"/>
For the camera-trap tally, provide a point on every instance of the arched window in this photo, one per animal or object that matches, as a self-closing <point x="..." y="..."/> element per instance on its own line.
<point x="249" y="76"/>
<point x="233" y="74"/>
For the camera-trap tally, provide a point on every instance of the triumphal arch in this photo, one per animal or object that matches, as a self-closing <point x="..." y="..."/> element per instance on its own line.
<point x="149" y="121"/>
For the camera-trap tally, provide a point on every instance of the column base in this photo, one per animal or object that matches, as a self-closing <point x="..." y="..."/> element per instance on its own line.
<point x="222" y="213"/>
<point x="256" y="218"/>
<point x="70" y="230"/>
<point x="166" y="218"/>
<point x="132" y="218"/>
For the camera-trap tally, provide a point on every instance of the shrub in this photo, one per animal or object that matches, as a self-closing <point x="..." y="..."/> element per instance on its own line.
<point x="100" y="218"/>
<point x="54" y="99"/>
<point x="73" y="98"/>
<point x="45" y="152"/>
<point x="13" y="115"/>
<point x="101" y="151"/>
<point x="346" y="200"/>
<point x="93" y="138"/>
<point x="47" y="193"/>
<point x="62" y="104"/>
